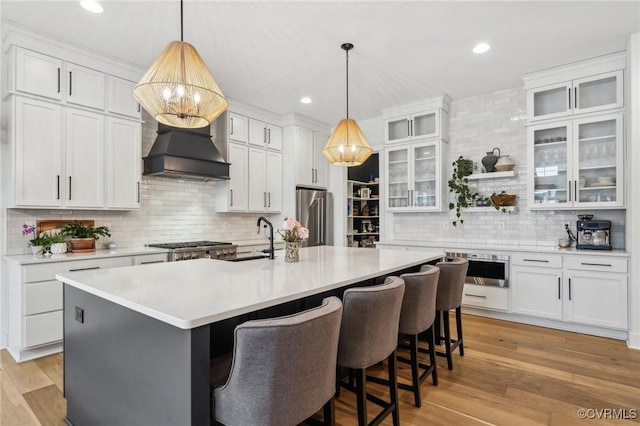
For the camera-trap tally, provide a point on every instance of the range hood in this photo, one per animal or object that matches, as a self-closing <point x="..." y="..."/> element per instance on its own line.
<point x="185" y="154"/>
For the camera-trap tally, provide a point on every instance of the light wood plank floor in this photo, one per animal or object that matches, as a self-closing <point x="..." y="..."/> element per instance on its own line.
<point x="511" y="374"/>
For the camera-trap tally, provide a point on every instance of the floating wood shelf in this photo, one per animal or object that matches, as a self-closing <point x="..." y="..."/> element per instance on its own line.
<point x="493" y="175"/>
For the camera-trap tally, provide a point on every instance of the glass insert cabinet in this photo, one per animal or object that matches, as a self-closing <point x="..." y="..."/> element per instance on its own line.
<point x="577" y="163"/>
<point x="414" y="177"/>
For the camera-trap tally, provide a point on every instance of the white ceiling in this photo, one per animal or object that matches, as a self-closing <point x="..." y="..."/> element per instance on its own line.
<point x="271" y="53"/>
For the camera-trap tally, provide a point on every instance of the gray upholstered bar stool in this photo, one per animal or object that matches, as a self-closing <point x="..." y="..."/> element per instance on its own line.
<point x="283" y="369"/>
<point x="449" y="296"/>
<point x="369" y="335"/>
<point x="417" y="316"/>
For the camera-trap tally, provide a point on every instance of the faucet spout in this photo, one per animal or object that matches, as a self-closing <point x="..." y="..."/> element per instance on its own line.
<point x="267" y="223"/>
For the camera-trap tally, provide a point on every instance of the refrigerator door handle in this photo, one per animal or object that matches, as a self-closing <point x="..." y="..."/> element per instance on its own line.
<point x="321" y="221"/>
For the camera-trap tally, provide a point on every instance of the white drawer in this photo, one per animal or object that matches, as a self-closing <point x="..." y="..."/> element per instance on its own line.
<point x="42" y="329"/>
<point x="48" y="271"/>
<point x="597" y="263"/>
<point x="486" y="297"/>
<point x="244" y="251"/>
<point x="150" y="258"/>
<point x="42" y="297"/>
<point x="535" y="259"/>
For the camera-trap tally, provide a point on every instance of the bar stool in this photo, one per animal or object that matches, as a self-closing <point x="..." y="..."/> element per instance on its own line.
<point x="282" y="370"/>
<point x="449" y="296"/>
<point x="369" y="335"/>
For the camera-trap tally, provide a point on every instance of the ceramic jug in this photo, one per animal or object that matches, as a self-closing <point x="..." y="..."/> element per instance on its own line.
<point x="504" y="164"/>
<point x="489" y="160"/>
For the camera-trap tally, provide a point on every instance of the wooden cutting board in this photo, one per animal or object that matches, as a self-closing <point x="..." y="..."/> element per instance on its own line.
<point x="50" y="225"/>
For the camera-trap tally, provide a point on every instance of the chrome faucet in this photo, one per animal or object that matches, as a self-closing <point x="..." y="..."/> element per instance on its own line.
<point x="263" y="219"/>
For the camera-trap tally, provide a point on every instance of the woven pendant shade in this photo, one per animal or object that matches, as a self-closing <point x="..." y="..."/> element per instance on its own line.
<point x="178" y="89"/>
<point x="347" y="145"/>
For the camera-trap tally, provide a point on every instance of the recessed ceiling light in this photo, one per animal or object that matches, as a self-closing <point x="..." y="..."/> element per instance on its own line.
<point x="91" y="6"/>
<point x="481" y="48"/>
<point x="306" y="100"/>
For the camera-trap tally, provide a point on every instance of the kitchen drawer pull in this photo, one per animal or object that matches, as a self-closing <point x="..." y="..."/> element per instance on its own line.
<point x="151" y="261"/>
<point x="535" y="260"/>
<point x="475" y="295"/>
<point x="596" y="264"/>
<point x="84" y="269"/>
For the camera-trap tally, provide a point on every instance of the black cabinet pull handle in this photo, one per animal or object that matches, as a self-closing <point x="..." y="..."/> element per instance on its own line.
<point x="138" y="107"/>
<point x="58" y="80"/>
<point x="69" y="187"/>
<point x="575" y="189"/>
<point x="596" y="264"/>
<point x="269" y="198"/>
<point x="84" y="269"/>
<point x="569" y="188"/>
<point x="412" y="128"/>
<point x="70" y="82"/>
<point x="269" y="136"/>
<point x="138" y="190"/>
<point x="535" y="260"/>
<point x="569" y="288"/>
<point x="559" y="284"/>
<point x="58" y="187"/>
<point x="264" y="135"/>
<point x="151" y="261"/>
<point x="475" y="295"/>
<point x="575" y="98"/>
<point x="264" y="201"/>
<point x="569" y="97"/>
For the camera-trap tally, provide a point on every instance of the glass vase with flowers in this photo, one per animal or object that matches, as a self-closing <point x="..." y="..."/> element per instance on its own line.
<point x="293" y="233"/>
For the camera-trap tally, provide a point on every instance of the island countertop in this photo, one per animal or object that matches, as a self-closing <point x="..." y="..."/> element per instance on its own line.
<point x="193" y="293"/>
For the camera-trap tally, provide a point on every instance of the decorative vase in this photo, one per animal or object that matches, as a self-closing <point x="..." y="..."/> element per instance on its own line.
<point x="58" y="248"/>
<point x="292" y="251"/>
<point x="36" y="249"/>
<point x="489" y="160"/>
<point x="505" y="164"/>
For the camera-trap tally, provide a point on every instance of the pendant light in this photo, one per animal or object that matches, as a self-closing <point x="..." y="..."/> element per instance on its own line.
<point x="347" y="145"/>
<point x="178" y="89"/>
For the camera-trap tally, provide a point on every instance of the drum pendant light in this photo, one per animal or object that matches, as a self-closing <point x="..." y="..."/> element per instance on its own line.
<point x="178" y="90"/>
<point x="347" y="145"/>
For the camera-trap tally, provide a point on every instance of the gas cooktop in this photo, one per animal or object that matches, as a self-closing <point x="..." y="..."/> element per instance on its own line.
<point x="189" y="244"/>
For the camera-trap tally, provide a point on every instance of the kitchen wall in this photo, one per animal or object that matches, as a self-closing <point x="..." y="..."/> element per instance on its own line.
<point x="171" y="210"/>
<point x="479" y="124"/>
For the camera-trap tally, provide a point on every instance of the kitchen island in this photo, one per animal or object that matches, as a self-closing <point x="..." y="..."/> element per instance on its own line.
<point x="138" y="340"/>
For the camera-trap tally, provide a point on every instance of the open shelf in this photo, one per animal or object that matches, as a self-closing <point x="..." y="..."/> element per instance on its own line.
<point x="492" y="175"/>
<point x="508" y="209"/>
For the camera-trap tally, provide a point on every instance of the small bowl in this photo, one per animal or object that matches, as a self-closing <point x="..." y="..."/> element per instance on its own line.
<point x="606" y="179"/>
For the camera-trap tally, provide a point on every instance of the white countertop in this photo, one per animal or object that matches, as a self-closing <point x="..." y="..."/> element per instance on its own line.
<point x="192" y="293"/>
<point x="27" y="259"/>
<point x="493" y="247"/>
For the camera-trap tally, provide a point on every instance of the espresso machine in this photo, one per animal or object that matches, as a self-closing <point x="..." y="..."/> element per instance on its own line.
<point x="593" y="234"/>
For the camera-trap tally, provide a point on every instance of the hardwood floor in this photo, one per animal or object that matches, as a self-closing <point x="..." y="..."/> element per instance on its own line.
<point x="511" y="374"/>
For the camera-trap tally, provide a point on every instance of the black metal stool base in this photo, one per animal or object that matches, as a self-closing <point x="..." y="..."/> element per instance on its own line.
<point x="450" y="344"/>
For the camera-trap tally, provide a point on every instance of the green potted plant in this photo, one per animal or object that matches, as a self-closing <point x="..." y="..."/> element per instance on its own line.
<point x="57" y="244"/>
<point x="502" y="200"/>
<point x="459" y="186"/>
<point x="83" y="237"/>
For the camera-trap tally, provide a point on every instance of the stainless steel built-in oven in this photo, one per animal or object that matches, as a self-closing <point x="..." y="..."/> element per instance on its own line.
<point x="486" y="269"/>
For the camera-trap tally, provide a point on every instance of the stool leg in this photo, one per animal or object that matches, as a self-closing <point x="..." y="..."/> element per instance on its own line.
<point x="459" y="329"/>
<point x="329" y="413"/>
<point x="338" y="379"/>
<point x="432" y="354"/>
<point x="361" y="394"/>
<point x="447" y="338"/>
<point x="437" y="328"/>
<point x="415" y="370"/>
<point x="393" y="388"/>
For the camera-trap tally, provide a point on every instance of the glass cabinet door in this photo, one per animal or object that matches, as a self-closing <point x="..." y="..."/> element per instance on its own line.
<point x="599" y="158"/>
<point x="597" y="93"/>
<point x="398" y="129"/>
<point x="425" y="124"/>
<point x="551" y="169"/>
<point x="424" y="175"/>
<point x="549" y="101"/>
<point x="398" y="178"/>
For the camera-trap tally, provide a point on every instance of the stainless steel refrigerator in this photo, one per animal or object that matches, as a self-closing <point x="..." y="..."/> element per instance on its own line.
<point x="314" y="211"/>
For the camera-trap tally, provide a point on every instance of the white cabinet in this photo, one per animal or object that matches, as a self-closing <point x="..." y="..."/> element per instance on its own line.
<point x="414" y="126"/>
<point x="265" y="181"/>
<point x="486" y="297"/>
<point x="583" y="95"/>
<point x="312" y="166"/>
<point x="597" y="291"/>
<point x="543" y="288"/>
<point x="85" y="86"/>
<point x="38" y="74"/>
<point x="84" y="166"/>
<point x="120" y="99"/>
<point x="414" y="177"/>
<point x="234" y="127"/>
<point x="265" y="135"/>
<point x="37" y="153"/>
<point x="577" y="163"/>
<point x="123" y="163"/>
<point x="235" y="196"/>
<point x="36" y="301"/>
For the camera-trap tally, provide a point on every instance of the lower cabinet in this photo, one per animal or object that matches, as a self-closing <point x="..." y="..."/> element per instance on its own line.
<point x="486" y="297"/>
<point x="36" y="301"/>
<point x="589" y="290"/>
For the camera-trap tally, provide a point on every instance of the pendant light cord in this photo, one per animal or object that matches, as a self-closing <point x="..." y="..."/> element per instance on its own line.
<point x="181" y="32"/>
<point x="347" y="62"/>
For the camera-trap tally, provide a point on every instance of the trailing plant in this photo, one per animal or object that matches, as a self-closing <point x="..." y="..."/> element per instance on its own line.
<point x="459" y="186"/>
<point x="79" y="230"/>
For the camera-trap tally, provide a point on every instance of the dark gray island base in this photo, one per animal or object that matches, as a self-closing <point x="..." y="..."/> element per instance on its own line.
<point x="130" y="360"/>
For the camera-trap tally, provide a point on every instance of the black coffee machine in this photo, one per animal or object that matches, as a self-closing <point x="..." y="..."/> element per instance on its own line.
<point x="593" y="234"/>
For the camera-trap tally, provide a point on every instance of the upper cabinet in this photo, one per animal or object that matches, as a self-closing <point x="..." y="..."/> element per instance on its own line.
<point x="85" y="86"/>
<point x="422" y="120"/>
<point x="414" y="177"/>
<point x="305" y="146"/>
<point x="577" y="163"/>
<point x="38" y="74"/>
<point x="124" y="164"/>
<point x="585" y="87"/>
<point x="120" y="99"/>
<point x="233" y="127"/>
<point x="265" y="135"/>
